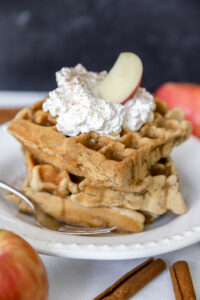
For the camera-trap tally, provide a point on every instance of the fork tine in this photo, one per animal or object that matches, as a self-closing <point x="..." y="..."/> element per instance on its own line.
<point x="90" y="228"/>
<point x="78" y="227"/>
<point x="85" y="231"/>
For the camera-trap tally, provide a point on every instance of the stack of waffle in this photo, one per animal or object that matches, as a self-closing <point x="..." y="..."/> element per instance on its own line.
<point x="97" y="181"/>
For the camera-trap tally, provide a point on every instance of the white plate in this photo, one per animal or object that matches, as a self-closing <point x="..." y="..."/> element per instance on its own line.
<point x="167" y="234"/>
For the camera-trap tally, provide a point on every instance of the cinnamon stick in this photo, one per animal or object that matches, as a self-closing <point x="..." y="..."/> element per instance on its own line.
<point x="182" y="281"/>
<point x="133" y="281"/>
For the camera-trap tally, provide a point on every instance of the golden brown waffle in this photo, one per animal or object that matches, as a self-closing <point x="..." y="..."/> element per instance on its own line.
<point x="69" y="194"/>
<point x="108" y="162"/>
<point x="157" y="193"/>
<point x="65" y="209"/>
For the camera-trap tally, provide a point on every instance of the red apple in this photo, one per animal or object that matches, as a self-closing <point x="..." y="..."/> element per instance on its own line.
<point x="186" y="96"/>
<point x="22" y="273"/>
<point x="124" y="78"/>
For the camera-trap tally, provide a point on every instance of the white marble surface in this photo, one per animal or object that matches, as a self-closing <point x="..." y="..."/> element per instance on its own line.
<point x="71" y="279"/>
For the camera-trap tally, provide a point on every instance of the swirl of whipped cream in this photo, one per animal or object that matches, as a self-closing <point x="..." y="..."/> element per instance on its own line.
<point x="79" y="108"/>
<point x="139" y="110"/>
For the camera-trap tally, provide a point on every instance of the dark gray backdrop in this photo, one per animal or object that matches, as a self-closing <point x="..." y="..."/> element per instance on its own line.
<point x="39" y="37"/>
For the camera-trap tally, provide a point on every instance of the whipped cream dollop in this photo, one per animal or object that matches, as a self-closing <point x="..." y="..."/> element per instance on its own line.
<point x="139" y="110"/>
<point x="79" y="108"/>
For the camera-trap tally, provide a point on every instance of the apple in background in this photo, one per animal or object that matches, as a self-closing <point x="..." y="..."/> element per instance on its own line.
<point x="124" y="78"/>
<point x="22" y="273"/>
<point x="186" y="96"/>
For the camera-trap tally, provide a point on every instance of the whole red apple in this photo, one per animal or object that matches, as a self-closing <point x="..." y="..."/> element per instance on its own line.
<point x="186" y="96"/>
<point x="22" y="273"/>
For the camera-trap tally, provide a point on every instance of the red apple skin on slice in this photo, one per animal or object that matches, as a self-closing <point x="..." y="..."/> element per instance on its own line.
<point x="133" y="93"/>
<point x="186" y="96"/>
<point x="22" y="273"/>
<point x="123" y="79"/>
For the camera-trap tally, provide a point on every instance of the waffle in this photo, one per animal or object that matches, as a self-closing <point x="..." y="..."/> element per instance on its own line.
<point x="77" y="199"/>
<point x="156" y="194"/>
<point x="65" y="209"/>
<point x="108" y="162"/>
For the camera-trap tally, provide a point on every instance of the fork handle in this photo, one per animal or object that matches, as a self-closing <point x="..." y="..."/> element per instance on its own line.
<point x="9" y="188"/>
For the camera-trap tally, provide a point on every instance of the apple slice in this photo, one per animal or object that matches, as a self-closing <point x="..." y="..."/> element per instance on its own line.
<point x="123" y="79"/>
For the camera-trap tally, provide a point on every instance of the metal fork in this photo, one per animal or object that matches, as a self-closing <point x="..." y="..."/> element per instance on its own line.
<point x="46" y="221"/>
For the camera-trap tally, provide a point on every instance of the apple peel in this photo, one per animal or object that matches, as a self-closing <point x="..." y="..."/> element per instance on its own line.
<point x="22" y="273"/>
<point x="186" y="96"/>
<point x="124" y="78"/>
